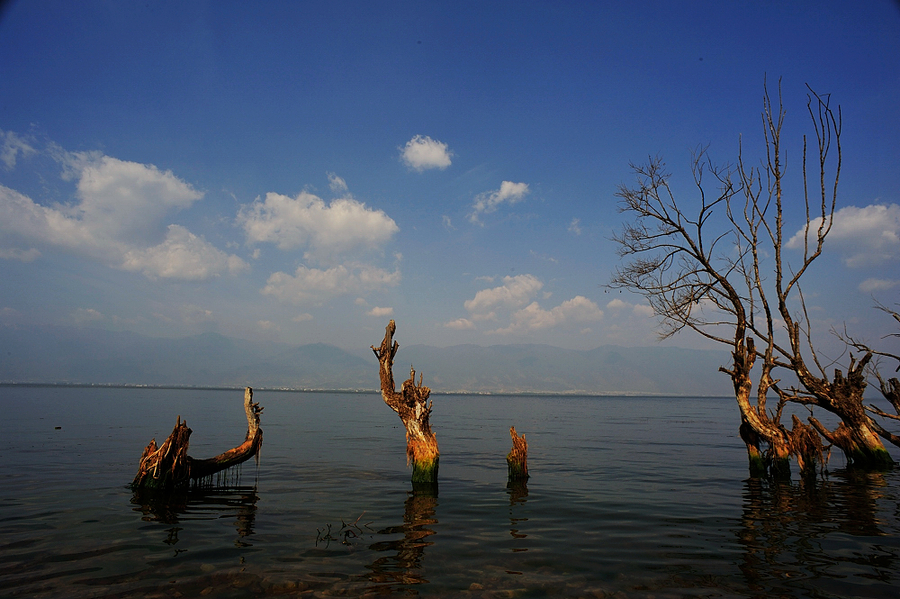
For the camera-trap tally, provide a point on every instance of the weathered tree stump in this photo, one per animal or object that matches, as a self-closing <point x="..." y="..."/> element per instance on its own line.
<point x="517" y="458"/>
<point x="414" y="409"/>
<point x="169" y="467"/>
<point x="806" y="446"/>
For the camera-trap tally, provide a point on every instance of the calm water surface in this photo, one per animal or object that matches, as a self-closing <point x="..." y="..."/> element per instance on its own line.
<point x="629" y="497"/>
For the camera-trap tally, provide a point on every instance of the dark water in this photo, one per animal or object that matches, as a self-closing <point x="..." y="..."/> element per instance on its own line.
<point x="629" y="497"/>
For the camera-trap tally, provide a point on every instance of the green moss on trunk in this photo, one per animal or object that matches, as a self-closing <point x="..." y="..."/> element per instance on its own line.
<point x="757" y="465"/>
<point x="873" y="459"/>
<point x="425" y="471"/>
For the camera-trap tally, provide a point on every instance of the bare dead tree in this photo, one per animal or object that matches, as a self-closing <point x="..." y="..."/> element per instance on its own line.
<point x="412" y="405"/>
<point x="169" y="467"/>
<point x="888" y="385"/>
<point x="716" y="265"/>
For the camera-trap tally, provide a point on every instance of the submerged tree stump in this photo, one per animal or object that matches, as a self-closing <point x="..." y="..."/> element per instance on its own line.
<point x="517" y="458"/>
<point x="169" y="467"/>
<point x="806" y="447"/>
<point x="414" y="409"/>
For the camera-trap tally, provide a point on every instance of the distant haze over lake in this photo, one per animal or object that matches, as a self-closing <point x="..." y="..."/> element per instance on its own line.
<point x="94" y="356"/>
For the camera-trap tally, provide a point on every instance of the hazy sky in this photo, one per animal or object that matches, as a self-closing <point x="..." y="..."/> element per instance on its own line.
<point x="304" y="171"/>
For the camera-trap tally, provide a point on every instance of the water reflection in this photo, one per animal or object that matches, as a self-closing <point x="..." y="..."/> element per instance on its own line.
<point x="518" y="495"/>
<point x="199" y="504"/>
<point x="404" y="565"/>
<point x="796" y="534"/>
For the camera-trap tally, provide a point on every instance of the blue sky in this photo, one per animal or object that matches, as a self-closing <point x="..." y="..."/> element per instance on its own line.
<point x="304" y="171"/>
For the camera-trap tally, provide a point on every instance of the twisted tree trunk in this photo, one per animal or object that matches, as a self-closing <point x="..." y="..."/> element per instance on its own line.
<point x="168" y="466"/>
<point x="857" y="434"/>
<point x="756" y="426"/>
<point x="414" y="409"/>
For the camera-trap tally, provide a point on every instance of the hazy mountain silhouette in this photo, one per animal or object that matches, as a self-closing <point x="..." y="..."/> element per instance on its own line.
<point x="53" y="354"/>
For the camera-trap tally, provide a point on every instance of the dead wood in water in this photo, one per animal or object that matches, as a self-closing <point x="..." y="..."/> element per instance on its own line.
<point x="806" y="447"/>
<point x="414" y="409"/>
<point x="168" y="466"/>
<point x="517" y="458"/>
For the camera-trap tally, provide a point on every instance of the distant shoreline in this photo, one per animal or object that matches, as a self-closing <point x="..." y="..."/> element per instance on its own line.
<point x="353" y="391"/>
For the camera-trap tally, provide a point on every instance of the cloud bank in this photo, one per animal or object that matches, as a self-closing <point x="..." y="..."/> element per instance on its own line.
<point x="312" y="285"/>
<point x="865" y="237"/>
<point x="324" y="230"/>
<point x="118" y="218"/>
<point x="515" y="297"/>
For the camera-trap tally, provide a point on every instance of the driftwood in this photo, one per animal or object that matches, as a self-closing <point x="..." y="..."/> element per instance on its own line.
<point x="168" y="466"/>
<point x="517" y="458"/>
<point x="414" y="409"/>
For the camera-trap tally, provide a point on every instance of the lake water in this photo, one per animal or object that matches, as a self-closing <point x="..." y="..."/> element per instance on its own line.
<point x="628" y="497"/>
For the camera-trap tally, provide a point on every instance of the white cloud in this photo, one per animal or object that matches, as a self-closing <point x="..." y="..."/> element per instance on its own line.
<point x="118" y="220"/>
<point x="488" y="202"/>
<point x="378" y="311"/>
<point x="182" y="255"/>
<point x="337" y="185"/>
<point x="579" y="309"/>
<point x="83" y="315"/>
<point x="193" y="314"/>
<point x="515" y="291"/>
<point x="312" y="284"/>
<point x="127" y="200"/>
<point x="866" y="236"/>
<point x="460" y="324"/>
<point x="302" y="317"/>
<point x="575" y="226"/>
<point x="29" y="255"/>
<point x="325" y="230"/>
<point x="422" y="153"/>
<point x="871" y="285"/>
<point x="11" y="146"/>
<point x="642" y="310"/>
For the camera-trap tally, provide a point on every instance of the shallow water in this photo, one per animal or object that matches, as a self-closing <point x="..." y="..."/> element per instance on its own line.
<point x="628" y="497"/>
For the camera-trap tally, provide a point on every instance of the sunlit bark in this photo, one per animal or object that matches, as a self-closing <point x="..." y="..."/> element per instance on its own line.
<point x="168" y="466"/>
<point x="517" y="458"/>
<point x="412" y="405"/>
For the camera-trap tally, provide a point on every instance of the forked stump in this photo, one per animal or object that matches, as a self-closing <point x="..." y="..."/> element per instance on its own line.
<point x="517" y="458"/>
<point x="414" y="409"/>
<point x="168" y="466"/>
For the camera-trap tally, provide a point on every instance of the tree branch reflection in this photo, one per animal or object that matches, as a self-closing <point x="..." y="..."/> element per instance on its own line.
<point x="199" y="504"/>
<point x="405" y="565"/>
<point x="805" y="531"/>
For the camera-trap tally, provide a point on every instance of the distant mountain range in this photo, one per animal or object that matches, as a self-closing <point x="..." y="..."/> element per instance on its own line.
<point x="53" y="354"/>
